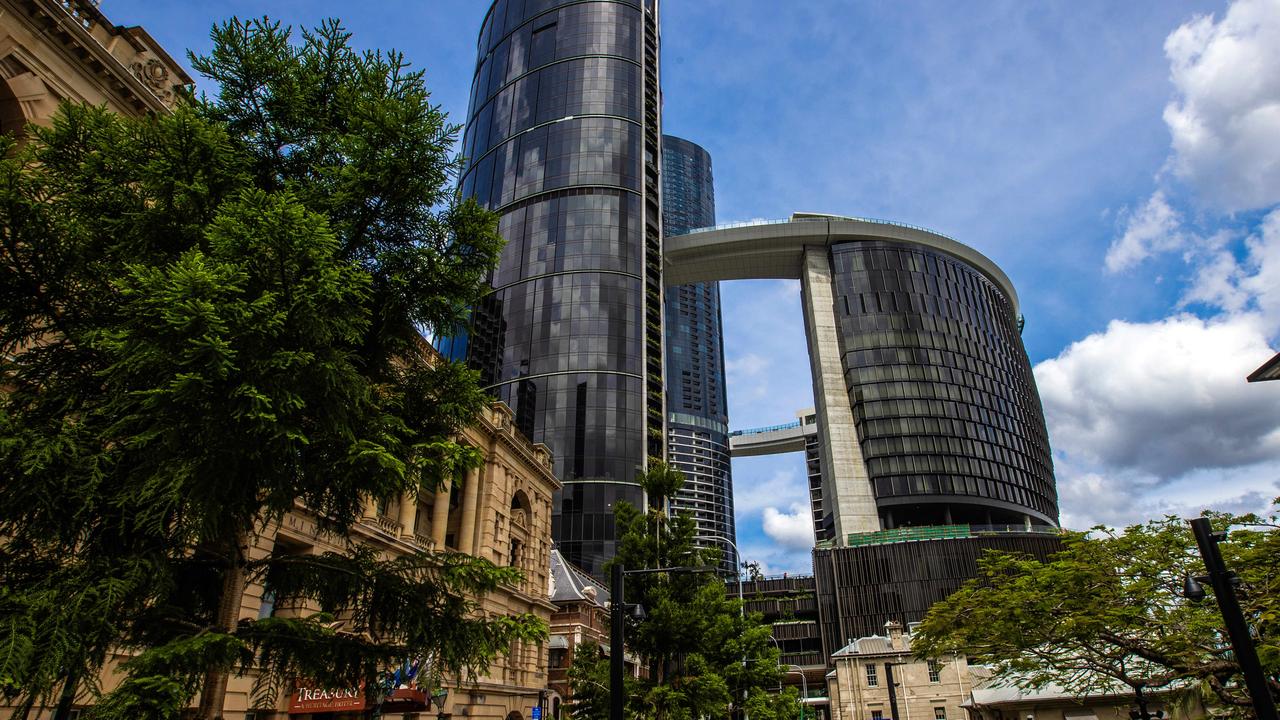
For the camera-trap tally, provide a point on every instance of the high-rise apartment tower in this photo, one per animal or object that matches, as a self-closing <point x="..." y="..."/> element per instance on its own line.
<point x="564" y="142"/>
<point x="697" y="412"/>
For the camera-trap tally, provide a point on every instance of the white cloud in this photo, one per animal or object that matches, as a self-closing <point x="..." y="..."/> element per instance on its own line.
<point x="1163" y="398"/>
<point x="1248" y="285"/>
<point x="1153" y="228"/>
<point x="792" y="530"/>
<point x="1117" y="499"/>
<point x="1225" y="120"/>
<point x="775" y="559"/>
<point x="751" y="495"/>
<point x="743" y="367"/>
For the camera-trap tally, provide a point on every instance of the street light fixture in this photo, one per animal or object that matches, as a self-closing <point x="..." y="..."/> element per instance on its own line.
<point x="737" y="556"/>
<point x="1222" y="580"/>
<point x="618" y="628"/>
<point x="804" y="684"/>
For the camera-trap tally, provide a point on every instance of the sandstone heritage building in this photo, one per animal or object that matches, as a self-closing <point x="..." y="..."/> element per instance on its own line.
<point x="877" y="678"/>
<point x="53" y="52"/>
<point x="501" y="512"/>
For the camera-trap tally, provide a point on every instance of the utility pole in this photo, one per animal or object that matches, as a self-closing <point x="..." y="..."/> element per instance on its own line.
<point x="617" y="622"/>
<point x="1241" y="640"/>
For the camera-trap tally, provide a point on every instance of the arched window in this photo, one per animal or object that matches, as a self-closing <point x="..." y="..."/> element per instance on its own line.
<point x="521" y="509"/>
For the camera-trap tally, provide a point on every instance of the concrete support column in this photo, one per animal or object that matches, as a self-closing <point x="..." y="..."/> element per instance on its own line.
<point x="467" y="526"/>
<point x="440" y="517"/>
<point x="408" y="513"/>
<point x="846" y="486"/>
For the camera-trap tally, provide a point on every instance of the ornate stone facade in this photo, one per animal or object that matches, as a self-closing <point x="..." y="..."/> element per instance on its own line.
<point x="66" y="50"/>
<point x="500" y="512"/>
<point x="56" y="50"/>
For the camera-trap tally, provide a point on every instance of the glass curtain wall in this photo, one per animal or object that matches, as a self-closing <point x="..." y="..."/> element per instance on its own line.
<point x="556" y="141"/>
<point x="697" y="408"/>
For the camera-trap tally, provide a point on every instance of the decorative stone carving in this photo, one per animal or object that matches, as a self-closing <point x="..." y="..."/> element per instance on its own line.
<point x="156" y="76"/>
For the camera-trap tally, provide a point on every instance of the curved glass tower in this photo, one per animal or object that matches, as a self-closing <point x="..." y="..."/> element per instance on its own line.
<point x="563" y="141"/>
<point x="697" y="409"/>
<point x="947" y="413"/>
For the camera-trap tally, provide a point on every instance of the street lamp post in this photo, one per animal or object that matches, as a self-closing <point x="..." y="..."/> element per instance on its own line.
<point x="618" y="629"/>
<point x="737" y="557"/>
<point x="1241" y="641"/>
<point x="804" y="684"/>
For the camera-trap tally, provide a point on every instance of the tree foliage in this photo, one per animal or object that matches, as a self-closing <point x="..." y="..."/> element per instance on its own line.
<point x="1108" y="609"/>
<point x="704" y="658"/>
<point x="205" y="318"/>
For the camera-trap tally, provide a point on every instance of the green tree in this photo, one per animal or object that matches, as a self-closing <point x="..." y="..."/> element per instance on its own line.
<point x="1108" y="610"/>
<point x="206" y="318"/>
<point x="705" y="658"/>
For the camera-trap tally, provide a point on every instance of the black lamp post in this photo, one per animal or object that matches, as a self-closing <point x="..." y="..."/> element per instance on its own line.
<point x="1222" y="580"/>
<point x="618" y="629"/>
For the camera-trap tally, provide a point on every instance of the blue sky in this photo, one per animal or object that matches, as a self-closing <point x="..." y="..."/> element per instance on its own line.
<point x="1121" y="161"/>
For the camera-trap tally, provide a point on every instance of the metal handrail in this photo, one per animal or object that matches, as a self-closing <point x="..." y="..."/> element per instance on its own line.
<point x="760" y="430"/>
<point x="851" y="218"/>
<point x="944" y="532"/>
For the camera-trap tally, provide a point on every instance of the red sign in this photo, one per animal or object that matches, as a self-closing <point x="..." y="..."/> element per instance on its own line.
<point x="310" y="699"/>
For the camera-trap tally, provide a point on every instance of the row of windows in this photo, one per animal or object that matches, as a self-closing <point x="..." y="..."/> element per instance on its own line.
<point x="911" y="445"/>
<point x="586" y="86"/>
<point x="955" y="483"/>
<point x="589" y="227"/>
<point x="602" y="28"/>
<point x="593" y="422"/>
<point x="581" y="151"/>
<point x="940" y="384"/>
<point x="923" y="429"/>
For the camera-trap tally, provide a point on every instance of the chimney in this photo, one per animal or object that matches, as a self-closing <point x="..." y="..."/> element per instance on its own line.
<point x="893" y="629"/>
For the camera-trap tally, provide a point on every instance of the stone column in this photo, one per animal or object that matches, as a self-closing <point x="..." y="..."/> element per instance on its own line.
<point x="370" y="508"/>
<point x="408" y="513"/>
<point x="846" y="486"/>
<point x="440" y="517"/>
<point x="467" y="528"/>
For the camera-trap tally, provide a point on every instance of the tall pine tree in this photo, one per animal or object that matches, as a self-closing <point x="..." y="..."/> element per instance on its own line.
<point x="705" y="658"/>
<point x="206" y="318"/>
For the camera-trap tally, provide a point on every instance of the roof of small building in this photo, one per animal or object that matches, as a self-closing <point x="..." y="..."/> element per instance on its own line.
<point x="878" y="644"/>
<point x="997" y="691"/>
<point x="570" y="584"/>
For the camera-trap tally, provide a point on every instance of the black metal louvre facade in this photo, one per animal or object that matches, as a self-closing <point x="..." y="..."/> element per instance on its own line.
<point x="562" y="138"/>
<point x="946" y="407"/>
<point x="861" y="588"/>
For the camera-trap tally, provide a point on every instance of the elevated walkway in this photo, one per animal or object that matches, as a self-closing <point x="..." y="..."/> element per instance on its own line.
<point x="774" y="439"/>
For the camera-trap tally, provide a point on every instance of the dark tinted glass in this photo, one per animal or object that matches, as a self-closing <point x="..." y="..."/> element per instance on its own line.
<point x="947" y="410"/>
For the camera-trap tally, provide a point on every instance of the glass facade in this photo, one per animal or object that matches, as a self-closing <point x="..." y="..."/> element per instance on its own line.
<point x="560" y="138"/>
<point x="697" y="419"/>
<point x="947" y="412"/>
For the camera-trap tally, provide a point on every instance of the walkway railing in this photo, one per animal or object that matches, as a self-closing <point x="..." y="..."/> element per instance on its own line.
<point x="943" y="532"/>
<point x="771" y="428"/>
<point x="877" y="221"/>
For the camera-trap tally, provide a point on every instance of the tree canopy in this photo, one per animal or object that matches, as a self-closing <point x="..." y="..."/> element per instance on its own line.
<point x="206" y="318"/>
<point x="1108" y="609"/>
<point x="704" y="657"/>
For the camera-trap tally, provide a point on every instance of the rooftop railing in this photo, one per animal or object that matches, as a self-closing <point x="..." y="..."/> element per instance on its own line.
<point x="772" y="428"/>
<point x="944" y="532"/>
<point x="877" y="221"/>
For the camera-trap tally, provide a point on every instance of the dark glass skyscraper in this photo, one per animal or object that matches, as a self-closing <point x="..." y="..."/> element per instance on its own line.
<point x="942" y="392"/>
<point x="563" y="140"/>
<point x="697" y="413"/>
